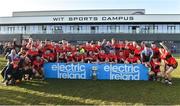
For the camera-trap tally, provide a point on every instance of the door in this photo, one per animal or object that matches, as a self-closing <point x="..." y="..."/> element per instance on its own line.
<point x="94" y="29"/>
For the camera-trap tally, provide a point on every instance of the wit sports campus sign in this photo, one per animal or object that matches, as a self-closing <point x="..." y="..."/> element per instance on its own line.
<point x="94" y="18"/>
<point x="90" y="19"/>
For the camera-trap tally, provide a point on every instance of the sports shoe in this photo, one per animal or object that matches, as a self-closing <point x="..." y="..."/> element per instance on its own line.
<point x="3" y="81"/>
<point x="169" y="83"/>
<point x="158" y="79"/>
<point x="163" y="81"/>
<point x="166" y="81"/>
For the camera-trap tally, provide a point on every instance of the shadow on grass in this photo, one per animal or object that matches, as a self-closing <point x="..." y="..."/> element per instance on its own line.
<point x="108" y="92"/>
<point x="17" y="97"/>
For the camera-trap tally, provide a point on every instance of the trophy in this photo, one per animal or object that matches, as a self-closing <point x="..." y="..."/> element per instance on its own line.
<point x="94" y="75"/>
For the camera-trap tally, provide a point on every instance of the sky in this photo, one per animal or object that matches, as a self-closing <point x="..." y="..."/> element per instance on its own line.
<point x="151" y="6"/>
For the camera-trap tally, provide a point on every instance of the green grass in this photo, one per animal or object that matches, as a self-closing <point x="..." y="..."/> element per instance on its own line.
<point x="54" y="91"/>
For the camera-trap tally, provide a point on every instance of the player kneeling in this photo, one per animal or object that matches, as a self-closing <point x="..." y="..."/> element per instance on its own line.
<point x="132" y="59"/>
<point x="155" y="73"/>
<point x="38" y="67"/>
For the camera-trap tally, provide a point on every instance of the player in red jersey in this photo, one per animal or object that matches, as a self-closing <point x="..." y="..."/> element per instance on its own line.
<point x="38" y="67"/>
<point x="27" y="68"/>
<point x="112" y="58"/>
<point x="156" y="52"/>
<point x="120" y="57"/>
<point x="32" y="53"/>
<point x="79" y="57"/>
<point x="98" y="46"/>
<point x="48" y="45"/>
<point x="132" y="46"/>
<point x="126" y="51"/>
<point x="48" y="56"/>
<point x="102" y="57"/>
<point x="170" y="65"/>
<point x="137" y="52"/>
<point x="155" y="72"/>
<point x="91" y="57"/>
<point x="69" y="57"/>
<point x="61" y="57"/>
<point x="120" y="45"/>
<point x="132" y="59"/>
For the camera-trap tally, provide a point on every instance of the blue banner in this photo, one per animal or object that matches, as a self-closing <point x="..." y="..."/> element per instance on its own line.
<point x="122" y="72"/>
<point x="101" y="71"/>
<point x="68" y="70"/>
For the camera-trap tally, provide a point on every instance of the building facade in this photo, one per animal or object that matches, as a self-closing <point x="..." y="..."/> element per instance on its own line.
<point x="88" y="23"/>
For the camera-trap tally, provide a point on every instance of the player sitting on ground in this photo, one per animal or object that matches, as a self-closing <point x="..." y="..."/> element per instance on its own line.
<point x="132" y="59"/>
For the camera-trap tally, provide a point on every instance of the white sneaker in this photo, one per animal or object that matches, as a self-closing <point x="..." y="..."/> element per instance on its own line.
<point x="166" y="81"/>
<point x="169" y="83"/>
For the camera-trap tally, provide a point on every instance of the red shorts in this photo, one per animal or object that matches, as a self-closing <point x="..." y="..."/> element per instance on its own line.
<point x="174" y="66"/>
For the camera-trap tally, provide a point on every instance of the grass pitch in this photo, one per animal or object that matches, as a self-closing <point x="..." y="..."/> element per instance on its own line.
<point x="77" y="92"/>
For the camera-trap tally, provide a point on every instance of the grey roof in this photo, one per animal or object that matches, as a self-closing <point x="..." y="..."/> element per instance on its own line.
<point x="79" y="12"/>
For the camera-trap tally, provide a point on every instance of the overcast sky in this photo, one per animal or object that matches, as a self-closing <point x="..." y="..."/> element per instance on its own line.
<point x="151" y="6"/>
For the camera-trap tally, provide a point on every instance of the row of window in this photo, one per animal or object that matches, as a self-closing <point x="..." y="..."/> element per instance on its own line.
<point x="66" y="29"/>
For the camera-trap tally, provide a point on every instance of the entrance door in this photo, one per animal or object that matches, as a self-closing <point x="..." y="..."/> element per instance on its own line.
<point x="133" y="29"/>
<point x="94" y="29"/>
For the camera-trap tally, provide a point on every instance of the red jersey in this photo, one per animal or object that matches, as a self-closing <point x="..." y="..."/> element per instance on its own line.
<point x="70" y="58"/>
<point x="119" y="46"/>
<point x="62" y="57"/>
<point x="156" y="52"/>
<point x="131" y="47"/>
<point x="121" y="59"/>
<point x="49" y="57"/>
<point x="112" y="57"/>
<point x="67" y="48"/>
<point x="137" y="53"/>
<point x="49" y="47"/>
<point x="126" y="53"/>
<point x="92" y="58"/>
<point x="164" y="53"/>
<point x="155" y="66"/>
<point x="42" y="50"/>
<point x="38" y="64"/>
<point x="32" y="53"/>
<point x="171" y="61"/>
<point x="98" y="47"/>
<point x="89" y="48"/>
<point x="132" y="60"/>
<point x="102" y="57"/>
<point x="59" y="49"/>
<point x="79" y="57"/>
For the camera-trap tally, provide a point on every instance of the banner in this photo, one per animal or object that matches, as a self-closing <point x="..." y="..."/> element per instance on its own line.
<point x="101" y="71"/>
<point x="122" y="72"/>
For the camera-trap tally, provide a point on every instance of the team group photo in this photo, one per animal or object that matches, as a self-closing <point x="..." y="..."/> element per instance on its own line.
<point x="79" y="52"/>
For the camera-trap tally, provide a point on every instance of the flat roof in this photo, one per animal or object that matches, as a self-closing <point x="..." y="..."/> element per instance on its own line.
<point x="79" y="12"/>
